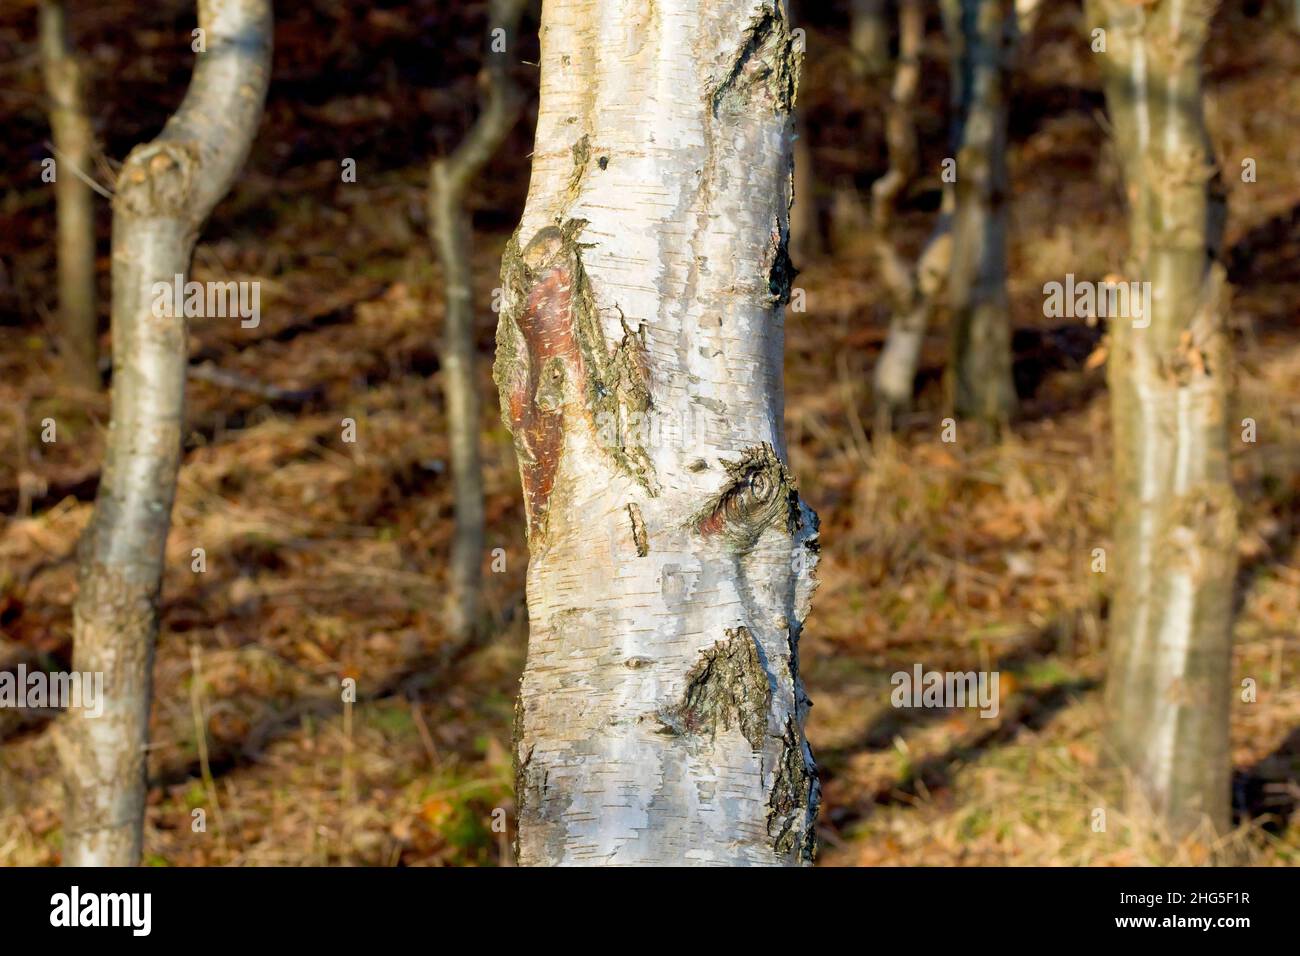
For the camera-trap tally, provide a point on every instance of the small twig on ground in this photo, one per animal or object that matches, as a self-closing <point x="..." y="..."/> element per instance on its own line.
<point x="210" y="373"/>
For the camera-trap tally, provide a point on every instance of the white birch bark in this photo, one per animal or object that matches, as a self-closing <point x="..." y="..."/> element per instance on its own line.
<point x="660" y="717"/>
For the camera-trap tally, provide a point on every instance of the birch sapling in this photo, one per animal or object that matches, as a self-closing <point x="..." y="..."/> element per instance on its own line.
<point x="165" y="192"/>
<point x="451" y="235"/>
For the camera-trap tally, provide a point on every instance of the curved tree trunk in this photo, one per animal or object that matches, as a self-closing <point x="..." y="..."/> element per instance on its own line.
<point x="980" y="386"/>
<point x="451" y="233"/>
<point x="166" y="190"/>
<point x="73" y="140"/>
<point x="1168" y="688"/>
<point x="639" y="361"/>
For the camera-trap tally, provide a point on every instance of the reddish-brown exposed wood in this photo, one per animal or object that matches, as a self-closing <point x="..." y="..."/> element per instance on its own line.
<point x="537" y="400"/>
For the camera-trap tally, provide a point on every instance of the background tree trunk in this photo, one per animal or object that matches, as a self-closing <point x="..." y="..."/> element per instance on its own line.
<point x="1168" y="687"/>
<point x="805" y="223"/>
<point x="639" y="361"/>
<point x="165" y="191"/>
<point x="451" y="233"/>
<point x="805" y="213"/>
<point x="1027" y="13"/>
<point x="914" y="288"/>
<point x="73" y="141"/>
<point x="980" y="386"/>
<point x="869" y="36"/>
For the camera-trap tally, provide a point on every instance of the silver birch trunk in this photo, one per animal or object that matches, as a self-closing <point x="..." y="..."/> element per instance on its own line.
<point x="1168" y="689"/>
<point x="639" y="361"/>
<point x="165" y="192"/>
<point x="73" y="140"/>
<point x="451" y="232"/>
<point x="980" y="386"/>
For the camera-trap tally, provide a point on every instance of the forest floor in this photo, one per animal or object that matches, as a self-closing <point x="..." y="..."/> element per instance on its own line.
<point x="326" y="559"/>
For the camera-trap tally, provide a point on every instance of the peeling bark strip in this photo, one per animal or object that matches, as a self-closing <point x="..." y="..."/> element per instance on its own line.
<point x="639" y="363"/>
<point x="166" y="189"/>
<point x="1168" y="682"/>
<point x="552" y="354"/>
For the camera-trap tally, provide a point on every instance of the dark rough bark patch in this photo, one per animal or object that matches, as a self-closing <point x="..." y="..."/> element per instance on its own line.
<point x="638" y="529"/>
<point x="781" y="271"/>
<point x="794" y="800"/>
<point x="759" y="492"/>
<point x="581" y="156"/>
<point x="552" y="355"/>
<point x="765" y="70"/>
<point x="728" y="688"/>
<point x="802" y="702"/>
<point x="522" y="755"/>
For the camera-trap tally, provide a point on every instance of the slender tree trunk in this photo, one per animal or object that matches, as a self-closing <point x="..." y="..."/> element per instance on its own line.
<point x="900" y="123"/>
<point x="980" y="386"/>
<point x="914" y="288"/>
<point x="639" y="361"/>
<point x="165" y="192"/>
<point x="1168" y="688"/>
<point x="451" y="233"/>
<point x="805" y="229"/>
<point x="73" y="140"/>
<point x="869" y="36"/>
